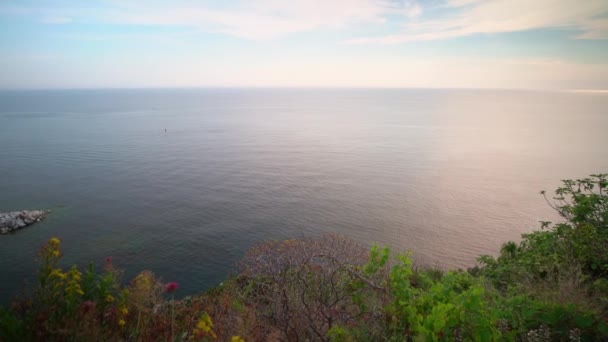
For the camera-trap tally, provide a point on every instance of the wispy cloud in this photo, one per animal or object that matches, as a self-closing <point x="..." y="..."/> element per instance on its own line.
<point x="159" y="43"/>
<point x="266" y="19"/>
<point x="56" y="20"/>
<point x="259" y="19"/>
<point x="467" y="17"/>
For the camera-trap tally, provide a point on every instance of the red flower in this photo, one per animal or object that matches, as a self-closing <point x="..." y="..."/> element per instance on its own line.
<point x="171" y="287"/>
<point x="109" y="259"/>
<point x="88" y="306"/>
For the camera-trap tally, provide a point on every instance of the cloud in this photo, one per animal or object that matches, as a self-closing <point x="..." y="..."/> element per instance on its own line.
<point x="259" y="19"/>
<point x="413" y="10"/>
<point x="460" y="3"/>
<point x="594" y="29"/>
<point x="467" y="17"/>
<point x="266" y="19"/>
<point x="269" y="19"/>
<point x="56" y="20"/>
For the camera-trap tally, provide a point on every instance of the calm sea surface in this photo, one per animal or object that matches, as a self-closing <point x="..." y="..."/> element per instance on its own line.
<point x="448" y="174"/>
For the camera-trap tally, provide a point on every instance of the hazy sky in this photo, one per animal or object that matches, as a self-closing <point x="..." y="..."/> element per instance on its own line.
<point x="537" y="44"/>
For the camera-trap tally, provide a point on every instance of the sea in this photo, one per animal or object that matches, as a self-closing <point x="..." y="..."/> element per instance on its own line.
<point x="182" y="182"/>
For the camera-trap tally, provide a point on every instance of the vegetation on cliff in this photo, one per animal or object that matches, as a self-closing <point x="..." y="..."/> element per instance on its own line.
<point x="552" y="285"/>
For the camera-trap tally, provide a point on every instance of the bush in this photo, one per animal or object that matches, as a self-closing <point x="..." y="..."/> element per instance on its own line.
<point x="88" y="305"/>
<point x="302" y="289"/>
<point x="560" y="271"/>
<point x="552" y="285"/>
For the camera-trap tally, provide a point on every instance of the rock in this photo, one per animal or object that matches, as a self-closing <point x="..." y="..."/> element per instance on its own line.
<point x="12" y="221"/>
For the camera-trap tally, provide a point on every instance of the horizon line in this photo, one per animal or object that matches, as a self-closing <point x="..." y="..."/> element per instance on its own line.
<point x="574" y="90"/>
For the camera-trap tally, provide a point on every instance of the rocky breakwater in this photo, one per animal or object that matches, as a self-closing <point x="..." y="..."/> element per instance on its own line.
<point x="12" y="221"/>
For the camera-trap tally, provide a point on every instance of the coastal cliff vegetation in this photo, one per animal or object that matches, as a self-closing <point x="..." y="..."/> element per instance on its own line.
<point x="550" y="286"/>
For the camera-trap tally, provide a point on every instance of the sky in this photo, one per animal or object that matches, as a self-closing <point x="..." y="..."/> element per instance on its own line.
<point x="522" y="44"/>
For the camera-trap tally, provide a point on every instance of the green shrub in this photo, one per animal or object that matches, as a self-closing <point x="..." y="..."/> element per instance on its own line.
<point x="551" y="286"/>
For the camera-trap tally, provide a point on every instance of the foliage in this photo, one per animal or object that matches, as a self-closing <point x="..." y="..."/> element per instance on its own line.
<point x="69" y="304"/>
<point x="552" y="285"/>
<point x="451" y="308"/>
<point x="579" y="242"/>
<point x="301" y="289"/>
<point x="560" y="270"/>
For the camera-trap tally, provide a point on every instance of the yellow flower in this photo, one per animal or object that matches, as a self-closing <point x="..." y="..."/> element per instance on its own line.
<point x="74" y="288"/>
<point x="205" y="324"/>
<point x="57" y="273"/>
<point x="202" y="325"/>
<point x="236" y="339"/>
<point x="73" y="281"/>
<point x="55" y="253"/>
<point x="54" y="241"/>
<point x="109" y="298"/>
<point x="124" y="310"/>
<point x="122" y="322"/>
